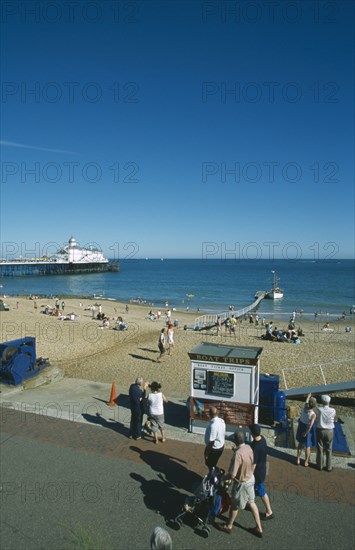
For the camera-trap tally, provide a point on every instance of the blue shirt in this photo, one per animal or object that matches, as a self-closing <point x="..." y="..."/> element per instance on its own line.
<point x="260" y="453"/>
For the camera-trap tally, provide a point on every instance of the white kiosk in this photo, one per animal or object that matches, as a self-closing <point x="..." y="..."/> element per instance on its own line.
<point x="227" y="377"/>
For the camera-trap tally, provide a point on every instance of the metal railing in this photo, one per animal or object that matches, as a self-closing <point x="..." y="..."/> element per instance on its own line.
<point x="320" y="366"/>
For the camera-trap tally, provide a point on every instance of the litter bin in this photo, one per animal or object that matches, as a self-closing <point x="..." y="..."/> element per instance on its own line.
<point x="280" y="412"/>
<point x="268" y="387"/>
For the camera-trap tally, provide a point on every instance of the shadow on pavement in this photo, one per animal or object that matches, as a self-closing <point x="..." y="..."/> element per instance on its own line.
<point x="280" y="455"/>
<point x="160" y="496"/>
<point x="99" y="420"/>
<point x="171" y="468"/>
<point x="99" y="399"/>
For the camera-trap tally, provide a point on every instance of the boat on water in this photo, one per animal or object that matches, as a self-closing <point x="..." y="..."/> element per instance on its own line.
<point x="69" y="259"/>
<point x="276" y="292"/>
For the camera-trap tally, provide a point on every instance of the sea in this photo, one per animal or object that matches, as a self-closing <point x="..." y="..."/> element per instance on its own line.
<point x="211" y="286"/>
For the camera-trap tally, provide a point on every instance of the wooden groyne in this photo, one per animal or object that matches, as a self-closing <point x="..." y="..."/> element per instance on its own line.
<point x="209" y="320"/>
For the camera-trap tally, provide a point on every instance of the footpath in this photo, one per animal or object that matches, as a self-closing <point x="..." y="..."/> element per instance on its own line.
<point x="71" y="478"/>
<point x="86" y="402"/>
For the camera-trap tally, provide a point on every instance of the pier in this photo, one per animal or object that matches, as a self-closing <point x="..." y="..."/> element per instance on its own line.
<point x="30" y="268"/>
<point x="70" y="259"/>
<point x="209" y="320"/>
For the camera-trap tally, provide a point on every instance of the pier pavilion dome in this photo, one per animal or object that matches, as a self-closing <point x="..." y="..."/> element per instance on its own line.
<point x="77" y="254"/>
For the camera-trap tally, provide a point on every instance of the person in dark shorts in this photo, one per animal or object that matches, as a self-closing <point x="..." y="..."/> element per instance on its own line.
<point x="259" y="447"/>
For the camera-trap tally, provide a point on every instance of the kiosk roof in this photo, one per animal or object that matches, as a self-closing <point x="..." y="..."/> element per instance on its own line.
<point x="224" y="351"/>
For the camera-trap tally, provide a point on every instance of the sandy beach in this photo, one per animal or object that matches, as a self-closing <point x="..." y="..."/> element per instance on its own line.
<point x="83" y="349"/>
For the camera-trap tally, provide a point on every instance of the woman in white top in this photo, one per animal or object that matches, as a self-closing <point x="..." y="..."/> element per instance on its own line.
<point x="156" y="401"/>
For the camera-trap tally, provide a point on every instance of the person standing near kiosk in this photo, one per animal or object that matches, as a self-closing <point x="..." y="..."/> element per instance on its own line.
<point x="214" y="438"/>
<point x="137" y="392"/>
<point x="325" y="431"/>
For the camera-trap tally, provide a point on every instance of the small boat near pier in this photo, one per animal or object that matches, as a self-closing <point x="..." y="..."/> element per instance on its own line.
<point x="276" y="292"/>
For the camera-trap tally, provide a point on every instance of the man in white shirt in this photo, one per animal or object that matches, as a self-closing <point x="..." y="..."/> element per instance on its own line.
<point x="325" y="430"/>
<point x="214" y="438"/>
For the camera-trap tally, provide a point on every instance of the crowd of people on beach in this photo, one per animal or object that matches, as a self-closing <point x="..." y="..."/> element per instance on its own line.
<point x="272" y="333"/>
<point x="56" y="312"/>
<point x="97" y="314"/>
<point x="290" y="335"/>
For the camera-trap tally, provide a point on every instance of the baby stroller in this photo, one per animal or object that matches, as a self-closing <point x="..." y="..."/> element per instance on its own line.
<point x="210" y="499"/>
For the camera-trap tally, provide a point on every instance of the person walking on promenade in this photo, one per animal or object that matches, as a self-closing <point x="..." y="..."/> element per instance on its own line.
<point x="156" y="400"/>
<point x="259" y="447"/>
<point x="161" y="344"/>
<point x="214" y="438"/>
<point x="137" y="393"/>
<point x="241" y="472"/>
<point x="304" y="430"/>
<point x="325" y="432"/>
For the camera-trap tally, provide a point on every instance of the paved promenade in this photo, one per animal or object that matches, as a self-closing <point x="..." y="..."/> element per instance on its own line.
<point x="71" y="478"/>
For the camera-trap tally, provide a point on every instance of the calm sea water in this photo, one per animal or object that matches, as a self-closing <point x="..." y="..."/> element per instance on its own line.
<point x="212" y="285"/>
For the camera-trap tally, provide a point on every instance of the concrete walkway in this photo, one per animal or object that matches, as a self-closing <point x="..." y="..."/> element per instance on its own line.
<point x="83" y="401"/>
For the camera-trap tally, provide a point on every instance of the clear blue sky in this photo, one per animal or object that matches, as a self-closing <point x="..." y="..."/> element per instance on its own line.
<point x="174" y="124"/>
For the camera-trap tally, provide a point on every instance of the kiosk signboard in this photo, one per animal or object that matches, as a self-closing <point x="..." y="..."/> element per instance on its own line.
<point x="220" y="384"/>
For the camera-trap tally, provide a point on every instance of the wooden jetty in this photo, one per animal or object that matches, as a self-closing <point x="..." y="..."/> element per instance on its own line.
<point x="209" y="320"/>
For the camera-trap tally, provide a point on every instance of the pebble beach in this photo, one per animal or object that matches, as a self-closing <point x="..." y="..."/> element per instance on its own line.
<point x="84" y="349"/>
